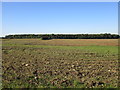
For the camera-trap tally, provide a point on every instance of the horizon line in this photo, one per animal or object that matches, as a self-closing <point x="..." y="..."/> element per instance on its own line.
<point x="56" y="33"/>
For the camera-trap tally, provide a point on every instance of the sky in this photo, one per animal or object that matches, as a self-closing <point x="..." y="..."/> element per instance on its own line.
<point x="59" y="17"/>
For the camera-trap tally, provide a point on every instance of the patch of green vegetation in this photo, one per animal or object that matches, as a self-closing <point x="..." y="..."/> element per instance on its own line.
<point x="77" y="84"/>
<point x="97" y="49"/>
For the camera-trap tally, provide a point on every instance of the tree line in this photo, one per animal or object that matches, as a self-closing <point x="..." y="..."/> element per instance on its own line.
<point x="63" y="36"/>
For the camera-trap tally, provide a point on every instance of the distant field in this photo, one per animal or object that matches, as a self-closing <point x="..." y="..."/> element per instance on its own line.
<point x="60" y="63"/>
<point x="64" y="42"/>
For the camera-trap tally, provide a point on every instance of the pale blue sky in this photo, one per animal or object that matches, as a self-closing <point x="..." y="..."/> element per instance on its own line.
<point x="59" y="17"/>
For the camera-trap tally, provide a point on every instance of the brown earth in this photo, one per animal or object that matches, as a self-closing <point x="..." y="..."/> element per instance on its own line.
<point x="65" y="42"/>
<point x="39" y="67"/>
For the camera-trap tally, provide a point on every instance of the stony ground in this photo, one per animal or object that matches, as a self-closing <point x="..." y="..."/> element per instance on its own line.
<point x="34" y="63"/>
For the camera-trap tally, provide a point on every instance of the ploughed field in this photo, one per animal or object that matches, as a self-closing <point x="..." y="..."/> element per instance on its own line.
<point x="60" y="63"/>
